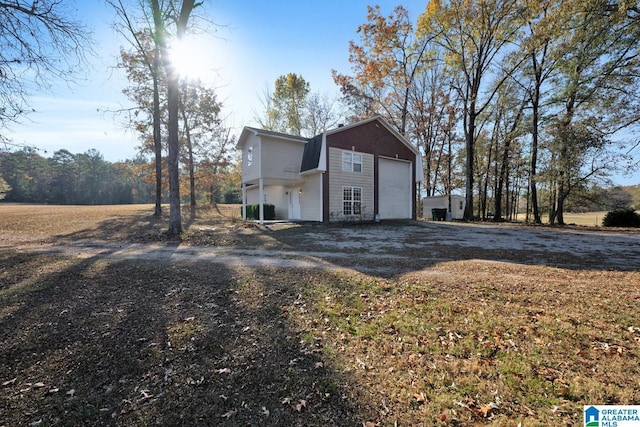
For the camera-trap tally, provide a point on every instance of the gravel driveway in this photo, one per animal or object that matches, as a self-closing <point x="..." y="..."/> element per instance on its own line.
<point x="385" y="249"/>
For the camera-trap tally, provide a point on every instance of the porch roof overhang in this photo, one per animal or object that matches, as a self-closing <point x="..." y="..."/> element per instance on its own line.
<point x="273" y="181"/>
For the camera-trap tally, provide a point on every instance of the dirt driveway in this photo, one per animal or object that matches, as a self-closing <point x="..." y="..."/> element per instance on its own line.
<point x="382" y="249"/>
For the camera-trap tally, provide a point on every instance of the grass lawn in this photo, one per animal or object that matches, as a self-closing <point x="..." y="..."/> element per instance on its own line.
<point x="126" y="342"/>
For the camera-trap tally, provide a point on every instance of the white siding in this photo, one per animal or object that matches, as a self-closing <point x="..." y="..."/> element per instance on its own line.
<point x="251" y="172"/>
<point x="276" y="195"/>
<point x="311" y="198"/>
<point x="281" y="159"/>
<point x="338" y="179"/>
<point x="273" y="195"/>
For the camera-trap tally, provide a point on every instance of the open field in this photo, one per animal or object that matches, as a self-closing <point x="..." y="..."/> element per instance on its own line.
<point x="588" y="219"/>
<point x="103" y="321"/>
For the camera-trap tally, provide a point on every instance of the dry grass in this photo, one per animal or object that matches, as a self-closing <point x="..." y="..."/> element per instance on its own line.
<point x="466" y="342"/>
<point x="587" y="219"/>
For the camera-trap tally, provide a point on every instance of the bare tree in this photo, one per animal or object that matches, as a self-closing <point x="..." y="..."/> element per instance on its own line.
<point x="128" y="28"/>
<point x="39" y="43"/>
<point x="181" y="21"/>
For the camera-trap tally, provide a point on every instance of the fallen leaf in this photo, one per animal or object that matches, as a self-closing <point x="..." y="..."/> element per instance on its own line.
<point x="485" y="410"/>
<point x="145" y="394"/>
<point x="229" y="414"/>
<point x="223" y="371"/>
<point x="71" y="392"/>
<point x="38" y="385"/>
<point x="301" y="405"/>
<point x="420" y="397"/>
<point x="6" y="383"/>
<point x="319" y="365"/>
<point x="286" y="401"/>
<point x="443" y="416"/>
<point x="265" y="411"/>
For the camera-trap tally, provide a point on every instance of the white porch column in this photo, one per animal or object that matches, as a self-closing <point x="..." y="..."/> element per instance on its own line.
<point x="244" y="202"/>
<point x="261" y="199"/>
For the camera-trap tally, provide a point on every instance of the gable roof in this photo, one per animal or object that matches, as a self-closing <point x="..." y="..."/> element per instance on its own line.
<point x="384" y="123"/>
<point x="263" y="132"/>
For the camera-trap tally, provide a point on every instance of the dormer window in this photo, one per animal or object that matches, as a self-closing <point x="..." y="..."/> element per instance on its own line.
<point x="351" y="162"/>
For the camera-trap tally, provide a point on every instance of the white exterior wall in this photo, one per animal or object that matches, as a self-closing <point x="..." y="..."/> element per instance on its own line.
<point x="281" y="159"/>
<point x="252" y="195"/>
<point x="273" y="195"/>
<point x="251" y="172"/>
<point x="311" y="198"/>
<point x="338" y="179"/>
<point x="276" y="195"/>
<point x="442" y="202"/>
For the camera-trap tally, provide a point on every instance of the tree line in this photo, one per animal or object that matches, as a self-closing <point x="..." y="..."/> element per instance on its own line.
<point x="87" y="179"/>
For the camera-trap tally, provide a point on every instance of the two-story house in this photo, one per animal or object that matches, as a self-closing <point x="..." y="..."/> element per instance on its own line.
<point x="364" y="170"/>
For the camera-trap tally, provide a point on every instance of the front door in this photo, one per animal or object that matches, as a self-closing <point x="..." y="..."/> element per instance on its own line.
<point x="294" y="203"/>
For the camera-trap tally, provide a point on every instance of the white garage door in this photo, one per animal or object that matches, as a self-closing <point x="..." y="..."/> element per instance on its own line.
<point x="394" y="189"/>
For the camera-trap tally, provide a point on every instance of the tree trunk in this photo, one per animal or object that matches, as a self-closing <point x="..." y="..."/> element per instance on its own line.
<point x="190" y="161"/>
<point x="535" y="122"/>
<point x="192" y="176"/>
<point x="157" y="135"/>
<point x="534" y="157"/>
<point x="502" y="177"/>
<point x="173" y="107"/>
<point x="469" y="165"/>
<point x="173" y="103"/>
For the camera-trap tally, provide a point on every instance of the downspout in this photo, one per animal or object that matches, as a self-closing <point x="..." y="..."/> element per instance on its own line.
<point x="261" y="199"/>
<point x="244" y="202"/>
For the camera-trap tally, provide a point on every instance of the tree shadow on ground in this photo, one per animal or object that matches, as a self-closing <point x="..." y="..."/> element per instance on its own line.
<point x="111" y="342"/>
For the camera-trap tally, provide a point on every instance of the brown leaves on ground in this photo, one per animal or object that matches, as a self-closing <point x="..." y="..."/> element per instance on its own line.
<point x="103" y="341"/>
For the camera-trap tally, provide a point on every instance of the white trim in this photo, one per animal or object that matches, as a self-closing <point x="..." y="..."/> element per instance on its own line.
<point x="244" y="202"/>
<point x="352" y="188"/>
<point x="393" y="158"/>
<point x="419" y="169"/>
<point x="384" y="123"/>
<point x="261" y="199"/>
<point x="261" y="132"/>
<point x="322" y="163"/>
<point x="322" y="197"/>
<point x="352" y="155"/>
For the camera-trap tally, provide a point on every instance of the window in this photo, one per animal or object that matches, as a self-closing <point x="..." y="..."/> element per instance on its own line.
<point x="351" y="162"/>
<point x="250" y="156"/>
<point x="351" y="200"/>
<point x="461" y="205"/>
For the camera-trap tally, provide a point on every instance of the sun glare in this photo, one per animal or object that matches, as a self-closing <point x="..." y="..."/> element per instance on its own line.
<point x="191" y="58"/>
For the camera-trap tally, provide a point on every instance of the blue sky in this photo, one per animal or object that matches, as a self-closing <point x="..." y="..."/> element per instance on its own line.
<point x="253" y="43"/>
